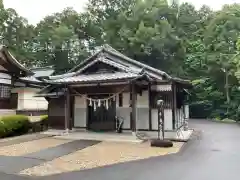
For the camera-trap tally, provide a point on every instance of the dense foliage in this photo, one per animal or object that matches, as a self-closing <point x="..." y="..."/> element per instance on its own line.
<point x="40" y="125"/>
<point x="14" y="125"/>
<point x="200" y="45"/>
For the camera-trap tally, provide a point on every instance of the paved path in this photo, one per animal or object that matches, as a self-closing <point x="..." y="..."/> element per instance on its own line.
<point x="23" y="138"/>
<point x="213" y="153"/>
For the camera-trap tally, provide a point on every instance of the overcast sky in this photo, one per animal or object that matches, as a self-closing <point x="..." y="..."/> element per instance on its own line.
<point x="35" y="10"/>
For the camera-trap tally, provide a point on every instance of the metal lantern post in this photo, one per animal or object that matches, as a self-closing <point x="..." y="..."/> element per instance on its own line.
<point x="160" y="104"/>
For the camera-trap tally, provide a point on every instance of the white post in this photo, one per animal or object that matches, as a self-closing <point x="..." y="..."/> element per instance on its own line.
<point x="186" y="117"/>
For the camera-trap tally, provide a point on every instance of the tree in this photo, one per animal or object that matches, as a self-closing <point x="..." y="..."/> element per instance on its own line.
<point x="58" y="41"/>
<point x="199" y="45"/>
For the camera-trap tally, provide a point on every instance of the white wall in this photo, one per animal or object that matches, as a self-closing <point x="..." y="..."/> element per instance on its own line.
<point x="186" y="108"/>
<point x="80" y="111"/>
<point x="163" y="87"/>
<point x="143" y="100"/>
<point x="125" y="110"/>
<point x="5" y="78"/>
<point x="179" y="117"/>
<point x="20" y="105"/>
<point x="143" y="111"/>
<point x="27" y="101"/>
<point x="167" y="119"/>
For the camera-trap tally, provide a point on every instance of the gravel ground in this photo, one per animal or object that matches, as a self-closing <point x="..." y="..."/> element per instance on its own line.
<point x="102" y="154"/>
<point x="30" y="147"/>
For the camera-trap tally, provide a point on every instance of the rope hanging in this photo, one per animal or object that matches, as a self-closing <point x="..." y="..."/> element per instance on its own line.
<point x="91" y="100"/>
<point x="98" y="102"/>
<point x="102" y="101"/>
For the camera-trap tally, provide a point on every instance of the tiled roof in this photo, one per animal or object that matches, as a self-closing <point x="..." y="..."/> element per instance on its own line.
<point x="107" y="49"/>
<point x="111" y="63"/>
<point x="112" y="57"/>
<point x="95" y="77"/>
<point x="31" y="78"/>
<point x="113" y="51"/>
<point x="39" y="72"/>
<point x="43" y="71"/>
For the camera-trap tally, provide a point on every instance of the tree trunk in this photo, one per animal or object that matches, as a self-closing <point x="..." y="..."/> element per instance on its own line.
<point x="227" y="87"/>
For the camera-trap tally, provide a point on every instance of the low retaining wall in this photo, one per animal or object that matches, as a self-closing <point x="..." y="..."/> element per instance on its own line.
<point x="6" y="112"/>
<point x="32" y="112"/>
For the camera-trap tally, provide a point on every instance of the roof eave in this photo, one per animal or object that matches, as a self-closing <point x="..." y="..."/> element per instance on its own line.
<point x="14" y="61"/>
<point x="90" y="82"/>
<point x="33" y="82"/>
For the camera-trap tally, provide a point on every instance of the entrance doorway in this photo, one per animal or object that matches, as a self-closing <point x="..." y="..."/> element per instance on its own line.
<point x="102" y="118"/>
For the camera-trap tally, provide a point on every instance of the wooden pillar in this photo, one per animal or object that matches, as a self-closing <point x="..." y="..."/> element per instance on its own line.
<point x="174" y="105"/>
<point x="150" y="107"/>
<point x="134" y="107"/>
<point x="71" y="110"/>
<point x="67" y="110"/>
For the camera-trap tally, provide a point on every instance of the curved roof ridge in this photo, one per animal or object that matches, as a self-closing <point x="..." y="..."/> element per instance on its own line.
<point x="113" y="51"/>
<point x="14" y="61"/>
<point x="44" y="67"/>
<point x="60" y="76"/>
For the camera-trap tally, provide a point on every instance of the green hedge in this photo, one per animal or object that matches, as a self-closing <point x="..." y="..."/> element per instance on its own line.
<point x="40" y="125"/>
<point x="44" y="118"/>
<point x="14" y="125"/>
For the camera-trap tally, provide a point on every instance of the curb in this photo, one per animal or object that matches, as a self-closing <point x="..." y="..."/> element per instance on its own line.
<point x="23" y="137"/>
<point x="225" y="122"/>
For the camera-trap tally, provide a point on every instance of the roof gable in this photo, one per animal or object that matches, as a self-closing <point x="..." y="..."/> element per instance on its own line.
<point x="109" y="55"/>
<point x="103" y="59"/>
<point x="114" y="58"/>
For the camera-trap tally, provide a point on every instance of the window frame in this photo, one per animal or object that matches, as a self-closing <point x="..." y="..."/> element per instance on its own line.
<point x="5" y="91"/>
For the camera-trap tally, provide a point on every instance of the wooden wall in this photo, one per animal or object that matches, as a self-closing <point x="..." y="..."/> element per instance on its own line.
<point x="56" y="113"/>
<point x="5" y="103"/>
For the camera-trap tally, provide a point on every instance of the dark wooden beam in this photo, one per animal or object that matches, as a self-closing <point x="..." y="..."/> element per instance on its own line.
<point x="150" y="107"/>
<point x="87" y="114"/>
<point x="174" y="107"/>
<point x="99" y="89"/>
<point x="67" y="110"/>
<point x="10" y="68"/>
<point x="72" y="110"/>
<point x="134" y="107"/>
<point x="5" y="72"/>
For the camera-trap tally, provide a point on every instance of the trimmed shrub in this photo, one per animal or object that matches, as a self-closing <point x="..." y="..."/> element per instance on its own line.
<point x="14" y="125"/>
<point x="40" y="125"/>
<point x="44" y="119"/>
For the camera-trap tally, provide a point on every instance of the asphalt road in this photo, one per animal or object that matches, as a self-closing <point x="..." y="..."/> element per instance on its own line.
<point x="212" y="153"/>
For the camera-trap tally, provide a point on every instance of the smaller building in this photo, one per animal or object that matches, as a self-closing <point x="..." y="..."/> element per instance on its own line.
<point x="18" y="86"/>
<point x="109" y="86"/>
<point x="27" y="88"/>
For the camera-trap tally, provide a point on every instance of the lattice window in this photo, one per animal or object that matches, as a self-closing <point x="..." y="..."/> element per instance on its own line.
<point x="165" y="96"/>
<point x="5" y="91"/>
